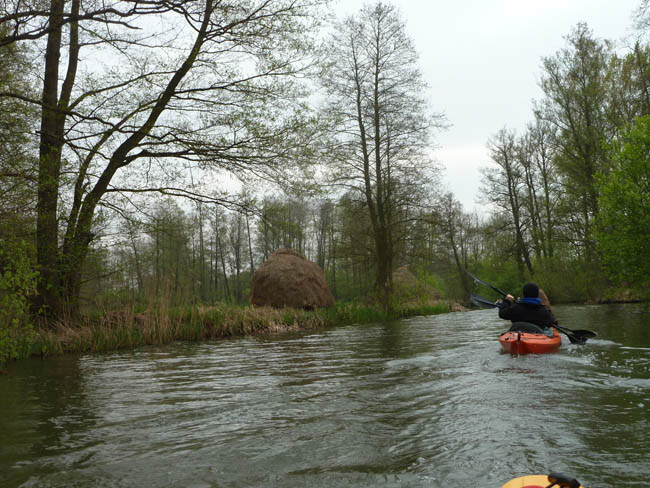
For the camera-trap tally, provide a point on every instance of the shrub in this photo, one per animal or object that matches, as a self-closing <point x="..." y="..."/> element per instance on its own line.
<point x="17" y="285"/>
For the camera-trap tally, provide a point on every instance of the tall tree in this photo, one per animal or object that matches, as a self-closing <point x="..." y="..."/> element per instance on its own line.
<point x="17" y="151"/>
<point x="205" y="83"/>
<point x="236" y="241"/>
<point x="543" y="175"/>
<point x="628" y="85"/>
<point x="219" y="227"/>
<point x="505" y="187"/>
<point x="576" y="104"/>
<point x="382" y="124"/>
<point x="624" y="223"/>
<point x="454" y="229"/>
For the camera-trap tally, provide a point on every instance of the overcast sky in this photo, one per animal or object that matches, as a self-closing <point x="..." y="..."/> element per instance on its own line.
<point x="482" y="61"/>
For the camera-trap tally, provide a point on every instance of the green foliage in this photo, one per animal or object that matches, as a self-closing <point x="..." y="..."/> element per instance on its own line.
<point x="349" y="313"/>
<point x="412" y="310"/>
<point x="571" y="281"/>
<point x="17" y="152"/>
<point x="504" y="275"/>
<point x="564" y="280"/>
<point x="624" y="220"/>
<point x="433" y="281"/>
<point x="410" y="289"/>
<point x="17" y="285"/>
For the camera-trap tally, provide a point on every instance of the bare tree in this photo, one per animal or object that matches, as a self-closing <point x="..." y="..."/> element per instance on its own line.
<point x="505" y="187"/>
<point x="544" y="186"/>
<point x="382" y="124"/>
<point x="454" y="229"/>
<point x="236" y="240"/>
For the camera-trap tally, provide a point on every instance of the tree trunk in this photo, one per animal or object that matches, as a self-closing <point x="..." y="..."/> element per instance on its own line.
<point x="250" y="245"/>
<point x="202" y="284"/>
<point x="136" y="259"/>
<point x="49" y="168"/>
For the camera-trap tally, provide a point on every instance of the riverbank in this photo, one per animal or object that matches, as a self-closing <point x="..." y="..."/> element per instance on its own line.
<point x="126" y="328"/>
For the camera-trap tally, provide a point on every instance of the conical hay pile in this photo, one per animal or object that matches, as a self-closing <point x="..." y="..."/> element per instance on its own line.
<point x="409" y="288"/>
<point x="287" y="279"/>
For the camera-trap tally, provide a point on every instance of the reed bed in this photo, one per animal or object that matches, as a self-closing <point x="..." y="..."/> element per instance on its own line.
<point x="127" y="329"/>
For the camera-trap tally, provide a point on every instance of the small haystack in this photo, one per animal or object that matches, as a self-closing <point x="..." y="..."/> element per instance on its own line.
<point x="408" y="288"/>
<point x="287" y="279"/>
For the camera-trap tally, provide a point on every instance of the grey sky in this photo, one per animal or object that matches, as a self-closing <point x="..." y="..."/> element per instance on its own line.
<point x="482" y="60"/>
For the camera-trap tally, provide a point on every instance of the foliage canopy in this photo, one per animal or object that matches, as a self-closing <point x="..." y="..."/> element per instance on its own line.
<point x="624" y="221"/>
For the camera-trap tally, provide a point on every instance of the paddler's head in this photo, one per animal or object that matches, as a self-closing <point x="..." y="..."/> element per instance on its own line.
<point x="531" y="290"/>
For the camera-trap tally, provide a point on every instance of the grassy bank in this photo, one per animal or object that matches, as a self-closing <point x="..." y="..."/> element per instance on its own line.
<point x="127" y="329"/>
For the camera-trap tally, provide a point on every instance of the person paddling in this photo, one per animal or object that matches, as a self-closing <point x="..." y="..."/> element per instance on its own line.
<point x="529" y="309"/>
<point x="544" y="298"/>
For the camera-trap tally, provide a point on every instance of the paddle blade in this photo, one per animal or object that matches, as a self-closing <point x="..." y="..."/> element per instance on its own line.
<point x="482" y="302"/>
<point x="579" y="336"/>
<point x="575" y="340"/>
<point x="587" y="334"/>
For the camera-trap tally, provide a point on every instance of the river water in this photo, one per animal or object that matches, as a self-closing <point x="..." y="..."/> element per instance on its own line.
<point x="423" y="402"/>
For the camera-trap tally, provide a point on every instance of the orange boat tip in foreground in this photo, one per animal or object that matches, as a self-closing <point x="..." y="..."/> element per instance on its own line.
<point x="529" y="343"/>
<point x="530" y="481"/>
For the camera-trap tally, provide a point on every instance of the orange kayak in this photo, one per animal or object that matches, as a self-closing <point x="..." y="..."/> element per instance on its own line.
<point x="542" y="481"/>
<point x="517" y="342"/>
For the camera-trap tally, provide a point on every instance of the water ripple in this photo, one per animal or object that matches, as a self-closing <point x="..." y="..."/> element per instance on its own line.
<point x="428" y="401"/>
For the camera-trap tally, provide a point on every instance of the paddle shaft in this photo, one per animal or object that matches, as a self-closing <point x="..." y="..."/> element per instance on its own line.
<point x="501" y="292"/>
<point x="484" y="301"/>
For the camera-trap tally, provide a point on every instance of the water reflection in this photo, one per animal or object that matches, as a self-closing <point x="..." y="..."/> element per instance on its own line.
<point x="428" y="401"/>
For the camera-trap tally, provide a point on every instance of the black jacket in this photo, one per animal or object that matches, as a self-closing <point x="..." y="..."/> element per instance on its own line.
<point x="526" y="312"/>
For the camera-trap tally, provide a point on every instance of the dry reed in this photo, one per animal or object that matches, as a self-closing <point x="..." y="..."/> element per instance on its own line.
<point x="162" y="324"/>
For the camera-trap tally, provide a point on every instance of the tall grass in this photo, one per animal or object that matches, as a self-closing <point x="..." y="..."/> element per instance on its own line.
<point x="161" y="324"/>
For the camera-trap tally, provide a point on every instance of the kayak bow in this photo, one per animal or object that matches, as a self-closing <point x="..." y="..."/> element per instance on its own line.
<point x="543" y="481"/>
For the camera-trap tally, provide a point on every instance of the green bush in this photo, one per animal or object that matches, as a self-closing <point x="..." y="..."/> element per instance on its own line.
<point x="624" y="217"/>
<point x="17" y="285"/>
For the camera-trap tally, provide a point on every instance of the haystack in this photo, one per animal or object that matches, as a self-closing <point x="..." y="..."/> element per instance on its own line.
<point x="407" y="287"/>
<point x="287" y="279"/>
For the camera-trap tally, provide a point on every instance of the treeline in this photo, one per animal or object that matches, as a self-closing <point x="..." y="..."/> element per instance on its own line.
<point x="572" y="190"/>
<point x="111" y="171"/>
<point x="204" y="254"/>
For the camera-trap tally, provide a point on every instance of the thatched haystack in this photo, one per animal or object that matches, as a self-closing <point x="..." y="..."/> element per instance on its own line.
<point x="287" y="279"/>
<point x="408" y="288"/>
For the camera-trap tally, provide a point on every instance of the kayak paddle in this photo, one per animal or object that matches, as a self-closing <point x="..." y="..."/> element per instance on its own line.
<point x="482" y="302"/>
<point x="579" y="336"/>
<point x="479" y="280"/>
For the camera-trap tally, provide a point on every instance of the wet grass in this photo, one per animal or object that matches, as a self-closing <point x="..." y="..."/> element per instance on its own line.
<point x="127" y="329"/>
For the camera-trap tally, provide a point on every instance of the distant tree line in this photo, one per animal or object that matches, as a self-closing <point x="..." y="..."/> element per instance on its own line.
<point x="572" y="190"/>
